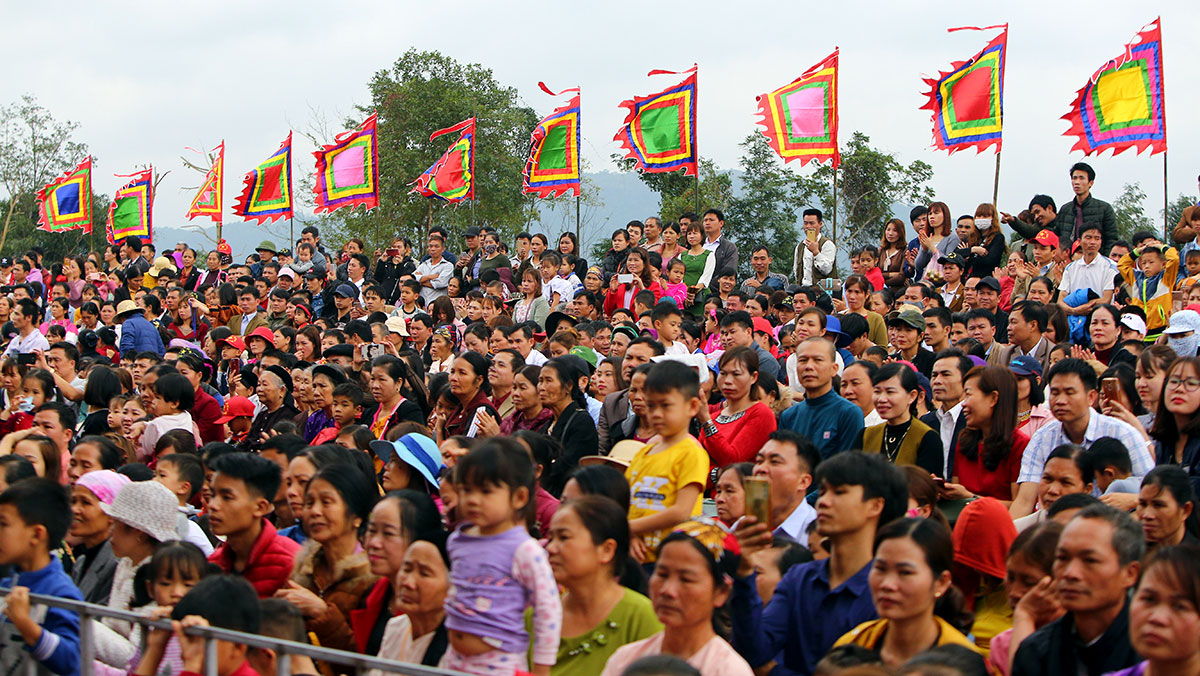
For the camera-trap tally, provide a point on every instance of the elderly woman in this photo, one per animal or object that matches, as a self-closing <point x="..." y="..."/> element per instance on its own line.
<point x="560" y="389"/>
<point x="417" y="634"/>
<point x="689" y="584"/>
<point x="333" y="575"/>
<point x="398" y="520"/>
<point x="588" y="550"/>
<point x="91" y="526"/>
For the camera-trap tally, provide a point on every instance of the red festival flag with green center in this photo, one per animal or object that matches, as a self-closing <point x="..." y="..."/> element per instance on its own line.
<point x="131" y="208"/>
<point x="267" y="195"/>
<point x="452" y="176"/>
<point x="659" y="133"/>
<point x="348" y="170"/>
<point x="66" y="203"/>
<point x="801" y="117"/>
<point x="1123" y="105"/>
<point x="968" y="100"/>
<point x="552" y="169"/>
<point x="208" y="199"/>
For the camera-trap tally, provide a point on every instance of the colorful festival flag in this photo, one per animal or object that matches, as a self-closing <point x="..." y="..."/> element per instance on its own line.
<point x="801" y="117"/>
<point x="348" y="170"/>
<point x="66" y="203"/>
<point x="131" y="208"/>
<point x="659" y="132"/>
<point x="267" y="194"/>
<point x="968" y="101"/>
<point x="208" y="199"/>
<point x="452" y="176"/>
<point x="1123" y="105"/>
<point x="552" y="169"/>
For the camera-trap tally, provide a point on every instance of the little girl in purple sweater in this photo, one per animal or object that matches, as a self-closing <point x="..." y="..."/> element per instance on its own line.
<point x="497" y="570"/>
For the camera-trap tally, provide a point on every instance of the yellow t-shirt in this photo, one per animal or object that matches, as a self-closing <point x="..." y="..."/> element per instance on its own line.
<point x="655" y="480"/>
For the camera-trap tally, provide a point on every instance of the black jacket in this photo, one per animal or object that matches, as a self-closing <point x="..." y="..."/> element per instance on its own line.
<point x="1056" y="649"/>
<point x="576" y="431"/>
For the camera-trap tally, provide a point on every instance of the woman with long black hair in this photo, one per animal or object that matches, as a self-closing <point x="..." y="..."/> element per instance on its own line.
<point x="560" y="390"/>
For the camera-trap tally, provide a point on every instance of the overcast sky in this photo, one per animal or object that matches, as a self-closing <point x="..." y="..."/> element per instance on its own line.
<point x="147" y="79"/>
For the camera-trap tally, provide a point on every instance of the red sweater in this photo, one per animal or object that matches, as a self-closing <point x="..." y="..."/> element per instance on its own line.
<point x="205" y="412"/>
<point x="271" y="561"/>
<point x="739" y="440"/>
<point x="616" y="299"/>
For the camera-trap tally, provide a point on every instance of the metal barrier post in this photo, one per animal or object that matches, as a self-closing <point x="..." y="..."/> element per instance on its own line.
<point x="210" y="656"/>
<point x="87" y="649"/>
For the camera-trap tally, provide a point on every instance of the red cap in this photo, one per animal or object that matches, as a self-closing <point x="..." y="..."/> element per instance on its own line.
<point x="223" y="247"/>
<point x="1046" y="238"/>
<point x="761" y="324"/>
<point x="233" y="341"/>
<point x="236" y="407"/>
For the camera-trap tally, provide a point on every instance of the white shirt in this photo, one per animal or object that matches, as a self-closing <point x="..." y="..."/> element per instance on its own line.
<point x="26" y="345"/>
<point x="712" y="246"/>
<point x="822" y="261"/>
<point x="1097" y="275"/>
<point x="948" y="293"/>
<point x="796" y="524"/>
<point x="947" y="421"/>
<point x="873" y="418"/>
<point x="535" y="358"/>
<point x="562" y="287"/>
<point x="444" y="269"/>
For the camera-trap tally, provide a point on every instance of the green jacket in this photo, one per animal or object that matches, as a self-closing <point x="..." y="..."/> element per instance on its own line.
<point x="1094" y="211"/>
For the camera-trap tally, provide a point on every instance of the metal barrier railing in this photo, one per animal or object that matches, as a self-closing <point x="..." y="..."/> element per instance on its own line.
<point x="283" y="649"/>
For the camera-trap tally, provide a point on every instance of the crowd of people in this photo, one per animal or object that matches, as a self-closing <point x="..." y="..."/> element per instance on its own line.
<point x="965" y="455"/>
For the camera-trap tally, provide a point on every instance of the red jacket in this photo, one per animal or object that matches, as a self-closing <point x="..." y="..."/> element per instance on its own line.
<point x="205" y="412"/>
<point x="362" y="620"/>
<point x="271" y="561"/>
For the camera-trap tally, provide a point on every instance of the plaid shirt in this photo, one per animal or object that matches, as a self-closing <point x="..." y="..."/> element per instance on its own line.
<point x="1051" y="436"/>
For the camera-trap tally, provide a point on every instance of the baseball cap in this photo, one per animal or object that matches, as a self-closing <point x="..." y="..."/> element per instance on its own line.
<point x="1046" y="238"/>
<point x="990" y="282"/>
<point x="953" y="258"/>
<point x="346" y="291"/>
<point x="224" y="248"/>
<point x="761" y="324"/>
<point x="6" y="262"/>
<point x="1134" y="322"/>
<point x="1026" y="365"/>
<point x="472" y="231"/>
<point x="908" y="317"/>
<point x="233" y="341"/>
<point x="236" y="407"/>
<point x="287" y="272"/>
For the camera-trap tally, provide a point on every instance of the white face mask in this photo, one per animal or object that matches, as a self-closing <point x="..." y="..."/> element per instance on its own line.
<point x="983" y="223"/>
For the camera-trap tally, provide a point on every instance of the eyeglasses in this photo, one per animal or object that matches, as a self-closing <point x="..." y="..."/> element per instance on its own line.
<point x="1187" y="384"/>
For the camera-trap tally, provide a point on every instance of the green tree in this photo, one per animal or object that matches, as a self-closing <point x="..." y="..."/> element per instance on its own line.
<point x="677" y="193"/>
<point x="34" y="149"/>
<point x="1175" y="211"/>
<point x="1130" y="210"/>
<point x="870" y="182"/>
<point x="424" y="91"/>
<point x="766" y="210"/>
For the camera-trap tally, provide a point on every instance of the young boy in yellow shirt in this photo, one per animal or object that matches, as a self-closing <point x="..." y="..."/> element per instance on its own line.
<point x="666" y="477"/>
<point x="1151" y="281"/>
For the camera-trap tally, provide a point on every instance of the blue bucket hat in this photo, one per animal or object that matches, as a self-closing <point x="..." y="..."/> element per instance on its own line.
<point x="415" y="450"/>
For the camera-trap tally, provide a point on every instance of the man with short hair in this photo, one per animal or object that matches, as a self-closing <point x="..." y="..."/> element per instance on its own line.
<point x="725" y="252"/>
<point x="28" y="339"/>
<point x="1097" y="562"/>
<point x="953" y="265"/>
<point x="653" y="234"/>
<point x="433" y="274"/>
<point x="1026" y="326"/>
<point x="615" y="408"/>
<point x="1044" y="212"/>
<point x="763" y="281"/>
<point x="277" y="308"/>
<point x="817" y="603"/>
<point x="1083" y="210"/>
<point x="248" y="317"/>
<point x="1093" y="271"/>
<point x="520" y="337"/>
<point x="737" y="330"/>
<point x="938" y="321"/>
<point x="816" y="254"/>
<point x="824" y="416"/>
<point x="505" y="364"/>
<point x="1073" y="384"/>
<point x="60" y="360"/>
<point x="138" y="265"/>
<point x="970" y="301"/>
<point x="789" y="461"/>
<point x="949" y="369"/>
<point x="987" y="296"/>
<point x="981" y="325"/>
